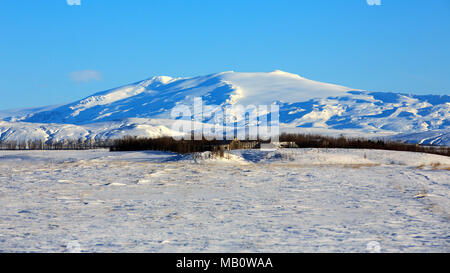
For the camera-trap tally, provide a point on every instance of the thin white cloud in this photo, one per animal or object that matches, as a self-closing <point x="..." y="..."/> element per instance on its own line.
<point x="84" y="76"/>
<point x="73" y="2"/>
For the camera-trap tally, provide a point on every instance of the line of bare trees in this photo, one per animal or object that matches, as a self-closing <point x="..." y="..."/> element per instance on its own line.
<point x="319" y="141"/>
<point x="179" y="146"/>
<point x="300" y="140"/>
<point x="131" y="143"/>
<point x="38" y="144"/>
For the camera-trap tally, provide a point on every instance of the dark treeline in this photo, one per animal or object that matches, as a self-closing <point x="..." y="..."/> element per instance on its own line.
<point x="169" y="144"/>
<point x="319" y="141"/>
<point x="286" y="140"/>
<point x="79" y="144"/>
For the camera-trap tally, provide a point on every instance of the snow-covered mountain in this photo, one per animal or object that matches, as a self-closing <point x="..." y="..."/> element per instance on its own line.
<point x="305" y="106"/>
<point x="22" y="131"/>
<point x="155" y="97"/>
<point x="441" y="137"/>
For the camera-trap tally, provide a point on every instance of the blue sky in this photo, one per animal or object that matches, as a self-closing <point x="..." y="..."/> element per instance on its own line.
<point x="52" y="53"/>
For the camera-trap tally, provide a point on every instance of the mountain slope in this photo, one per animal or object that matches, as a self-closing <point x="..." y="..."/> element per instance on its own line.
<point x="441" y="137"/>
<point x="305" y="105"/>
<point x="153" y="98"/>
<point x="24" y="131"/>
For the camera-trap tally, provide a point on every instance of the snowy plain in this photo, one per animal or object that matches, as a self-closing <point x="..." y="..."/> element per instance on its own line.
<point x="289" y="200"/>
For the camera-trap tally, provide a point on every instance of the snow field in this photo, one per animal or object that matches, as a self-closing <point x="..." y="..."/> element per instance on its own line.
<point x="293" y="200"/>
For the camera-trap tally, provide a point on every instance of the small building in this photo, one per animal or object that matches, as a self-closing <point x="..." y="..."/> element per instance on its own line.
<point x="269" y="147"/>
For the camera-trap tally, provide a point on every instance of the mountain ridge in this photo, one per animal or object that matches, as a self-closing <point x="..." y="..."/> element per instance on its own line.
<point x="304" y="104"/>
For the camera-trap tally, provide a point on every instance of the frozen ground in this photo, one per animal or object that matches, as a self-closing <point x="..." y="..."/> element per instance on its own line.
<point x="296" y="200"/>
